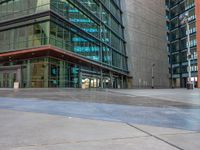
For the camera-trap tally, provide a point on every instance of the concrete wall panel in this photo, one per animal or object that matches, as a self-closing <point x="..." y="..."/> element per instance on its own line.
<point x="145" y="34"/>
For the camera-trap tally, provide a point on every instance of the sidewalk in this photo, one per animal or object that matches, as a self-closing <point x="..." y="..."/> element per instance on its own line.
<point x="76" y="119"/>
<point x="35" y="131"/>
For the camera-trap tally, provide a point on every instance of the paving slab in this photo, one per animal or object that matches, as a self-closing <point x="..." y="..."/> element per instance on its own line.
<point x="20" y="129"/>
<point x="161" y="131"/>
<point x="190" y="141"/>
<point x="173" y="95"/>
<point x="142" y="143"/>
<point x="73" y="119"/>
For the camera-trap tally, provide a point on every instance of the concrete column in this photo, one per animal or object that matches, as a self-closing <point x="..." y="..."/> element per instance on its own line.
<point x="62" y="74"/>
<point x="19" y="77"/>
<point x="111" y="79"/>
<point x="122" y="82"/>
<point x="101" y="80"/>
<point x="80" y="78"/>
<point x="46" y="73"/>
<point x="28" y="82"/>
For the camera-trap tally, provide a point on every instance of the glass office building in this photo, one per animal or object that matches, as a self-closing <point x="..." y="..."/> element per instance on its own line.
<point x="62" y="43"/>
<point x="177" y="37"/>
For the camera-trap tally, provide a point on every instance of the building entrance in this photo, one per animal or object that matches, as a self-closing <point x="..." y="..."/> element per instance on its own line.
<point x="90" y="81"/>
<point x="8" y="76"/>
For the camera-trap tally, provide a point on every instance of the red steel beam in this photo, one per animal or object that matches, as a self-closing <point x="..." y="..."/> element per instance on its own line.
<point x="197" y="12"/>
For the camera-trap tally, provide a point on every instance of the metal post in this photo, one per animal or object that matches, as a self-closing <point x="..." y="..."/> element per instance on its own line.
<point x="152" y="76"/>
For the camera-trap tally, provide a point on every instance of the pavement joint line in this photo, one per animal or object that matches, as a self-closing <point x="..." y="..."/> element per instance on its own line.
<point x="76" y="142"/>
<point x="124" y="94"/>
<point x="168" y="99"/>
<point x="70" y="115"/>
<point x="154" y="94"/>
<point x="148" y="96"/>
<point x="186" y="133"/>
<point x="73" y="97"/>
<point x="156" y="137"/>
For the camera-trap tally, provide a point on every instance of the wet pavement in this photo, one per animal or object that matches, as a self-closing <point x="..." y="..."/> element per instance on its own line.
<point x="148" y="98"/>
<point x="38" y="131"/>
<point x="135" y="107"/>
<point x="168" y="116"/>
<point x="171" y="117"/>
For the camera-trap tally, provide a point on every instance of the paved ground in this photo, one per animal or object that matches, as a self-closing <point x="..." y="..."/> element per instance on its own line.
<point x="75" y="119"/>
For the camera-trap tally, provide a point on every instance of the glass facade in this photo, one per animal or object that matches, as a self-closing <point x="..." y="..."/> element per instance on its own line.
<point x="90" y="29"/>
<point x="177" y="37"/>
<point x="12" y="9"/>
<point x="44" y="72"/>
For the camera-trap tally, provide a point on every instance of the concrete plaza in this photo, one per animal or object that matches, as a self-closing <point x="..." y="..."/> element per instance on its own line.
<point x="76" y="119"/>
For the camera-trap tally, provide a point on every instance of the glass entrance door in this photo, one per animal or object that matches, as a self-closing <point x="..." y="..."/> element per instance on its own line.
<point x="7" y="79"/>
<point x="90" y="81"/>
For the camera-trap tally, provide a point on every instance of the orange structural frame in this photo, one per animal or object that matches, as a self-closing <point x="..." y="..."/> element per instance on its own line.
<point x="197" y="12"/>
